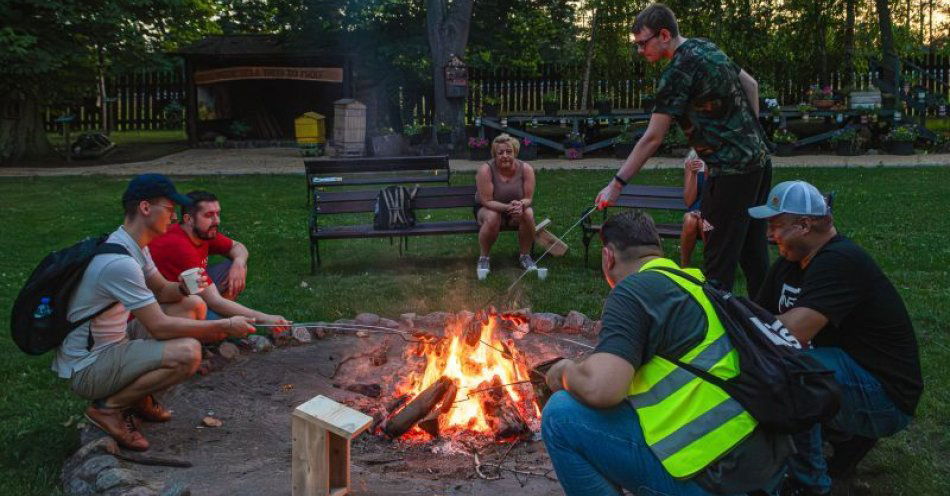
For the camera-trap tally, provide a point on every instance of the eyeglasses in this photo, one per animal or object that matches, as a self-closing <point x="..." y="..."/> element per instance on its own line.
<point x="643" y="43"/>
<point x="168" y="206"/>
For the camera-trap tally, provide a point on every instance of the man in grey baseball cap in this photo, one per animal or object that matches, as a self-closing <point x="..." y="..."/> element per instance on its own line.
<point x="830" y="293"/>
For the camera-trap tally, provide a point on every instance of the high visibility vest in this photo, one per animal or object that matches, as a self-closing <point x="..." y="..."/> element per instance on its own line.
<point x="688" y="422"/>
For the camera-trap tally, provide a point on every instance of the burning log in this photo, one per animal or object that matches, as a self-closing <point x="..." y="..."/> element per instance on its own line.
<point x="418" y="408"/>
<point x="430" y="423"/>
<point x="501" y="412"/>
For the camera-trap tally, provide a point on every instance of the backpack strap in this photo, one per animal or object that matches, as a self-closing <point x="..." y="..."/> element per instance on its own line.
<point x="102" y="249"/>
<point x="680" y="273"/>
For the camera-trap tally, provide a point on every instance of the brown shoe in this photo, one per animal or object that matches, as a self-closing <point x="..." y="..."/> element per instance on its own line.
<point x="149" y="409"/>
<point x="117" y="423"/>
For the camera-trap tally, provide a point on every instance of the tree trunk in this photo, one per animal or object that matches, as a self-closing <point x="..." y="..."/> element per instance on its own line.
<point x="447" y="25"/>
<point x="101" y="89"/>
<point x="891" y="64"/>
<point x="22" y="134"/>
<point x="849" y="44"/>
<point x="589" y="59"/>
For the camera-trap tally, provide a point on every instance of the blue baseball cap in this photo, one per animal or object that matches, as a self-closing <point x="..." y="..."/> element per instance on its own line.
<point x="148" y="186"/>
<point x="791" y="197"/>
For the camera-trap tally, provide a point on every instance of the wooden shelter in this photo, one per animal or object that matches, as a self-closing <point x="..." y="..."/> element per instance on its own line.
<point x="253" y="86"/>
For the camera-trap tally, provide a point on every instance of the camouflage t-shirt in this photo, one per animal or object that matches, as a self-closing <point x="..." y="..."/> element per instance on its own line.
<point x="700" y="88"/>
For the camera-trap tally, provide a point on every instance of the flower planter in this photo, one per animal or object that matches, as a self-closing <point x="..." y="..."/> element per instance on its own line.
<point x="784" y="149"/>
<point x="551" y="108"/>
<point x="603" y="108"/>
<point x="848" y="149"/>
<point x="491" y="110"/>
<point x="415" y="139"/>
<point x="574" y="153"/>
<point x="389" y="145"/>
<point x="901" y="147"/>
<point x="529" y="152"/>
<point x="479" y="154"/>
<point x="622" y="150"/>
<point x="823" y="103"/>
<point x="444" y="138"/>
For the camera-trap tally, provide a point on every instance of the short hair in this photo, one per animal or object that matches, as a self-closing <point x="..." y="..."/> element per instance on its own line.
<point x="506" y="138"/>
<point x="197" y="197"/>
<point x="131" y="207"/>
<point x="631" y="231"/>
<point x="656" y="16"/>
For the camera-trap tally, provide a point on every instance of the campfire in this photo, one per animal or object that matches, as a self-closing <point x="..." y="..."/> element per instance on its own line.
<point x="470" y="384"/>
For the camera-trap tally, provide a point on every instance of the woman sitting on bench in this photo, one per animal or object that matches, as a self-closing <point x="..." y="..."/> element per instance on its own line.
<point x="504" y="193"/>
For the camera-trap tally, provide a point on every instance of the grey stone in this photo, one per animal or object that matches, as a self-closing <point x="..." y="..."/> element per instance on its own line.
<point x="368" y="319"/>
<point x="175" y="488"/>
<point x="464" y="318"/>
<point x="302" y="335"/>
<point x="228" y="350"/>
<point x="138" y="491"/>
<point x="390" y="323"/>
<point x="90" y="469"/>
<point x="434" y="320"/>
<point x="408" y="319"/>
<point x="544" y="322"/>
<point x="115" y="477"/>
<point x="574" y="322"/>
<point x="260" y="343"/>
<point x="593" y="330"/>
<point x="75" y="486"/>
<point x="282" y="338"/>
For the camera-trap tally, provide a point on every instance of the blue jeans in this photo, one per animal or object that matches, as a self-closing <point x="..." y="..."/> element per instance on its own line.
<point x="218" y="273"/>
<point x="598" y="451"/>
<point x="866" y="411"/>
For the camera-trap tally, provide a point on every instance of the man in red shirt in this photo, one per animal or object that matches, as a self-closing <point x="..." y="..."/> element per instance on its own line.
<point x="188" y="244"/>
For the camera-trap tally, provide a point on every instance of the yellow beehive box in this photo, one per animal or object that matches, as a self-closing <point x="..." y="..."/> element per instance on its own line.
<point x="311" y="128"/>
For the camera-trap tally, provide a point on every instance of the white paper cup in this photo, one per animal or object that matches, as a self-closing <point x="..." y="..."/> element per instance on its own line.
<point x="542" y="273"/>
<point x="482" y="274"/>
<point x="190" y="278"/>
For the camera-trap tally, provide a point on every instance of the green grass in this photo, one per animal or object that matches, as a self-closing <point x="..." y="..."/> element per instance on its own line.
<point x="131" y="137"/>
<point x="893" y="213"/>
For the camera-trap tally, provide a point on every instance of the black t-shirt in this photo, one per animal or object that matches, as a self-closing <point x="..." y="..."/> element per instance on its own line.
<point x="866" y="316"/>
<point x="648" y="314"/>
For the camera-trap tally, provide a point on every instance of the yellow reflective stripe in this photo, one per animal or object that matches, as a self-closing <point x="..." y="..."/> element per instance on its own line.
<point x="689" y="433"/>
<point x="680" y="408"/>
<point x="714" y="354"/>
<point x="709" y="448"/>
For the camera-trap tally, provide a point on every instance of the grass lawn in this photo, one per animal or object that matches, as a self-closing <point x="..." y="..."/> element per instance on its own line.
<point x="893" y="213"/>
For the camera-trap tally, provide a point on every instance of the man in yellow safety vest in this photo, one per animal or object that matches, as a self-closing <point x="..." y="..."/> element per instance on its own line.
<point x="627" y="416"/>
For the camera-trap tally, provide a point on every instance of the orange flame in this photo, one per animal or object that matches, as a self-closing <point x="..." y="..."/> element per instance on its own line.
<point x="472" y="365"/>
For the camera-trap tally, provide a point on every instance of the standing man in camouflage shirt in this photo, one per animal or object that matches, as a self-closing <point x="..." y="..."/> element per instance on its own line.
<point x="716" y="104"/>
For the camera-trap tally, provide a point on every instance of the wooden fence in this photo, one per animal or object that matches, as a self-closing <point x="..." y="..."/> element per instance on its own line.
<point x="136" y="101"/>
<point x="139" y="101"/>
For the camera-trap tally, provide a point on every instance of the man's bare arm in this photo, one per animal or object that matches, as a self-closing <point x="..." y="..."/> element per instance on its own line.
<point x="162" y="326"/>
<point x="804" y="323"/>
<point x="751" y="88"/>
<point x="600" y="381"/>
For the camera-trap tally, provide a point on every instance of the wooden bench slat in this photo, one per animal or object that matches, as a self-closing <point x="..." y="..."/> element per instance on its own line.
<point x="423" y="229"/>
<point x="362" y="181"/>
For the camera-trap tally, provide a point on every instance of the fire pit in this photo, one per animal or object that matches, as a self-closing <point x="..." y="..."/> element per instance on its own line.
<point x="471" y="384"/>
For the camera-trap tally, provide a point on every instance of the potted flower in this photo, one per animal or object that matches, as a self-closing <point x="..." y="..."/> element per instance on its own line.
<point x="900" y="141"/>
<point x="805" y="108"/>
<point x="785" y="142"/>
<point x="550" y="103"/>
<point x="491" y="105"/>
<point x="768" y="97"/>
<point x="602" y="102"/>
<point x="847" y="143"/>
<point x="574" y="145"/>
<point x="478" y="149"/>
<point x="387" y="143"/>
<point x="443" y="133"/>
<point x="624" y="142"/>
<point x="529" y="149"/>
<point x="822" y="97"/>
<point x="413" y="132"/>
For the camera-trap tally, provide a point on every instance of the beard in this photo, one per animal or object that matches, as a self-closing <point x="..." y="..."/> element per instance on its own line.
<point x="207" y="235"/>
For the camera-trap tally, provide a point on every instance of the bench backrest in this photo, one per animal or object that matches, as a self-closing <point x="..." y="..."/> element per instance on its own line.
<point x="433" y="197"/>
<point x="377" y="170"/>
<point x="644" y="196"/>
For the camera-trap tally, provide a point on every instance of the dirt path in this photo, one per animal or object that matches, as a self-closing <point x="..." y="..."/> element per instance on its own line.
<point x="288" y="161"/>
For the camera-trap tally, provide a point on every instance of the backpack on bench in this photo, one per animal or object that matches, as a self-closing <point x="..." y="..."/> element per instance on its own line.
<point x="784" y="389"/>
<point x="394" y="208"/>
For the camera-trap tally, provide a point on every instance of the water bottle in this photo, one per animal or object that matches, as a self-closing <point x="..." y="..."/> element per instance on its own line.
<point x="43" y="310"/>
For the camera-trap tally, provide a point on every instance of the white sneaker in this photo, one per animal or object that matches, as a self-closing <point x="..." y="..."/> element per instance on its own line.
<point x="526" y="262"/>
<point x="483" y="268"/>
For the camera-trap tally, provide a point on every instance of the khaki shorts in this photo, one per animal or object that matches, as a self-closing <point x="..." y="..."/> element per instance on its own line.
<point x="118" y="365"/>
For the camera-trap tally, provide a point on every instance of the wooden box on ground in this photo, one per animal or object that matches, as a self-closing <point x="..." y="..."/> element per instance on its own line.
<point x="322" y="430"/>
<point x="349" y="128"/>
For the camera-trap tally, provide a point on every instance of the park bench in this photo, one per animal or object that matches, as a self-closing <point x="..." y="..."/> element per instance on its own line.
<point x="363" y="201"/>
<point x="377" y="170"/>
<point x="642" y="197"/>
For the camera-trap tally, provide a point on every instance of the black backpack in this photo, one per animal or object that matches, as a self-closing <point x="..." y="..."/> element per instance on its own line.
<point x="394" y="208"/>
<point x="56" y="278"/>
<point x="785" y="390"/>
